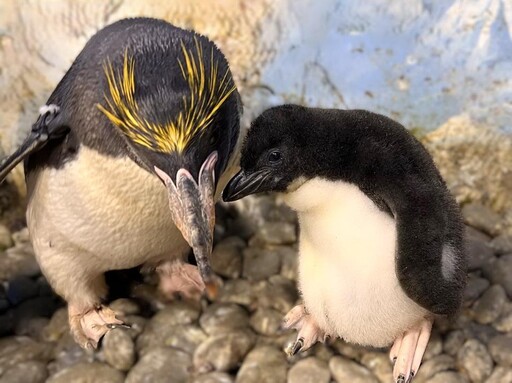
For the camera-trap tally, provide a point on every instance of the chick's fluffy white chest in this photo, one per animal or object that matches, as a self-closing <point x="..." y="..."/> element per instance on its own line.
<point x="347" y="264"/>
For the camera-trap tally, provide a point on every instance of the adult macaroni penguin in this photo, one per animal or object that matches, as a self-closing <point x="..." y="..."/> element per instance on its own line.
<point x="381" y="246"/>
<point x="146" y="118"/>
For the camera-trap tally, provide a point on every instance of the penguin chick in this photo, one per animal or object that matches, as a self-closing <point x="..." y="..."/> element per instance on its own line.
<point x="381" y="239"/>
<point x="146" y="118"/>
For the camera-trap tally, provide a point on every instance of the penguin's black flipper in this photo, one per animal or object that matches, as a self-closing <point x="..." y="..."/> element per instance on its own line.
<point x="48" y="126"/>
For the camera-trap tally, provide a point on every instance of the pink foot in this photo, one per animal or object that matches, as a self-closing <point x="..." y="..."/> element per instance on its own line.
<point x="309" y="332"/>
<point x="181" y="278"/>
<point x="407" y="351"/>
<point x="88" y="327"/>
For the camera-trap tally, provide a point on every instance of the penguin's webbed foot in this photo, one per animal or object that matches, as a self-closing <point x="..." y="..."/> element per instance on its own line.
<point x="89" y="327"/>
<point x="178" y="278"/>
<point x="407" y="351"/>
<point x="308" y="330"/>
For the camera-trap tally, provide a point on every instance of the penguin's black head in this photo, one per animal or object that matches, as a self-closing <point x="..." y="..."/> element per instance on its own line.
<point x="272" y="155"/>
<point x="176" y="105"/>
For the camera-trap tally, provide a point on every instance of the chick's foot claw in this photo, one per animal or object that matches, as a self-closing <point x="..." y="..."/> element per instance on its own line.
<point x="308" y="330"/>
<point x="88" y="328"/>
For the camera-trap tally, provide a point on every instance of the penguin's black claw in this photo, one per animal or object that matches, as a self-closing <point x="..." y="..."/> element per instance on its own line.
<point x="400" y="379"/>
<point x="297" y="347"/>
<point x="112" y="326"/>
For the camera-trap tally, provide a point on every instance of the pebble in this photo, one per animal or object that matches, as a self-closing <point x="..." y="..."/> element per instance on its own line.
<point x="433" y="366"/>
<point x="453" y="342"/>
<point x="346" y="370"/>
<point x="32" y="327"/>
<point x="57" y="326"/>
<point x="482" y="218"/>
<point x="18" y="349"/>
<point x="278" y="293"/>
<point x="259" y="263"/>
<point x="447" y="377"/>
<point x="501" y="349"/>
<point x="434" y="346"/>
<point x="18" y="261"/>
<point x="489" y="307"/>
<point x="119" y="349"/>
<point x="263" y="364"/>
<point x="124" y="306"/>
<point x="237" y="291"/>
<point x="94" y="372"/>
<point x="223" y="352"/>
<point x="226" y="258"/>
<point x="20" y="289"/>
<point x="379" y="364"/>
<point x="214" y="377"/>
<point x="21" y="237"/>
<point x="502" y="244"/>
<point x="499" y="272"/>
<point x="479" y="253"/>
<point x="504" y="322"/>
<point x="475" y="288"/>
<point x="26" y="372"/>
<point x="475" y="360"/>
<point x="220" y="318"/>
<point x="6" y="240"/>
<point x="289" y="262"/>
<point x="266" y="321"/>
<point x="500" y="375"/>
<point x="275" y="233"/>
<point x="309" y="370"/>
<point x="161" y="365"/>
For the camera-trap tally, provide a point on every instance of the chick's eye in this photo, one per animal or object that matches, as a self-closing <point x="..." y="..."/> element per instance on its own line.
<point x="274" y="156"/>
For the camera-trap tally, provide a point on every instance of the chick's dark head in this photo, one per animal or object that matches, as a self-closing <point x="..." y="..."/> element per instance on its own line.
<point x="177" y="106"/>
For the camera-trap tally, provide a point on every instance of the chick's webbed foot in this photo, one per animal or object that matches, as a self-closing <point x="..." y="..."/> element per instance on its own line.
<point x="308" y="330"/>
<point x="88" y="327"/>
<point x="180" y="278"/>
<point x="407" y="351"/>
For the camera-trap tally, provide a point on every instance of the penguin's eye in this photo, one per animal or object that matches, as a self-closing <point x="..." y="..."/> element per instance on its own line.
<point x="274" y="157"/>
<point x="214" y="138"/>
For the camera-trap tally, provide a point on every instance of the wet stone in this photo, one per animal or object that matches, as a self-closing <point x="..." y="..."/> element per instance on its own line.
<point x="433" y="366"/>
<point x="161" y="365"/>
<point x="309" y="370"/>
<point x="226" y="258"/>
<point x="502" y="244"/>
<point x="475" y="288"/>
<point x="260" y="263"/>
<point x="263" y="364"/>
<point x="345" y="370"/>
<point x="266" y="321"/>
<point x="482" y="218"/>
<point x="501" y="349"/>
<point x="5" y="238"/>
<point x="500" y="375"/>
<point x="124" y="306"/>
<point x="499" y="272"/>
<point x="67" y="353"/>
<point x="447" y="377"/>
<point x="214" y="377"/>
<point x="223" y="352"/>
<point x="137" y="325"/>
<point x="274" y="233"/>
<point x="88" y="373"/>
<point x="26" y="372"/>
<point x="119" y="349"/>
<point x="379" y="364"/>
<point x="15" y="350"/>
<point x="220" y="318"/>
<point x="475" y="360"/>
<point x="489" y="307"/>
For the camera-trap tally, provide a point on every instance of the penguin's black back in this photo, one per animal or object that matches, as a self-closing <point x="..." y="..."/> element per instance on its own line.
<point x="156" y="47"/>
<point x="394" y="170"/>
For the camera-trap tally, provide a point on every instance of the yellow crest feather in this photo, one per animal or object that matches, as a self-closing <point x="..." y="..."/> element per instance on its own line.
<point x="207" y="95"/>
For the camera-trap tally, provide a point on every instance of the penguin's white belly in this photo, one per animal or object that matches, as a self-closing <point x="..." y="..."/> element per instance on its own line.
<point x="347" y="264"/>
<point x="108" y="210"/>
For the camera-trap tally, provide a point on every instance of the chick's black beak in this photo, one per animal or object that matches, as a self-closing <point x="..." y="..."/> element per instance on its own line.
<point x="193" y="211"/>
<point x="244" y="184"/>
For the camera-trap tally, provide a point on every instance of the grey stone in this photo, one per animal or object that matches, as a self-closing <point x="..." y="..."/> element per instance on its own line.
<point x="278" y="293"/>
<point x="5" y="238"/>
<point x="161" y="365"/>
<point x="483" y="333"/>
<point x="289" y="262"/>
<point x="226" y="258"/>
<point x="32" y="327"/>
<point x="350" y="350"/>
<point x="57" y="326"/>
<point x="501" y="349"/>
<point x="499" y="272"/>
<point x="434" y="346"/>
<point x="259" y="263"/>
<point x="20" y="289"/>
<point x="504" y="322"/>
<point x="223" y="352"/>
<point x="482" y="218"/>
<point x="500" y="375"/>
<point x="309" y="370"/>
<point x="433" y="366"/>
<point x="124" y="306"/>
<point x="87" y="373"/>
<point x="119" y="349"/>
<point x="489" y="307"/>
<point x="447" y="377"/>
<point x="475" y="360"/>
<point x="474" y="289"/>
<point x="183" y="337"/>
<point x="21" y="237"/>
<point x="18" y="261"/>
<point x="263" y="364"/>
<point x="266" y="321"/>
<point x="26" y="372"/>
<point x="237" y="291"/>
<point x="67" y="354"/>
<point x="214" y="377"/>
<point x="502" y="244"/>
<point x="220" y="318"/>
<point x="274" y="233"/>
<point x="453" y="342"/>
<point x="137" y="325"/>
<point x="471" y="232"/>
<point x="15" y="350"/>
<point x="379" y="364"/>
<point x="479" y="253"/>
<point x="345" y="370"/>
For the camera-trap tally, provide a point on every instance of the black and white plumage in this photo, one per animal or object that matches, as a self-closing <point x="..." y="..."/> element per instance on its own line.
<point x="144" y="103"/>
<point x="381" y="242"/>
